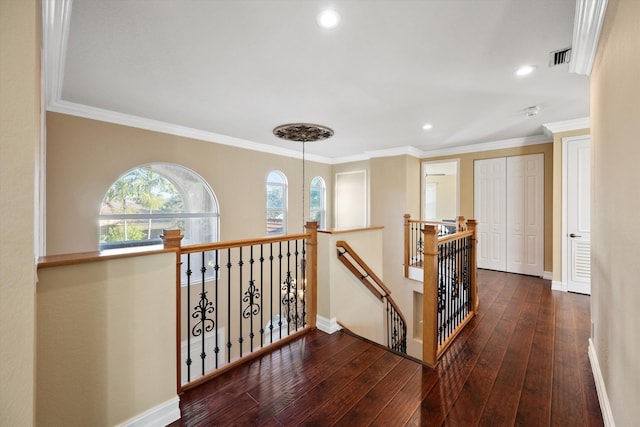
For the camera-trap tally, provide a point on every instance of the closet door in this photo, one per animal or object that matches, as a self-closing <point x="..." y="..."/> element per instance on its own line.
<point x="525" y="214"/>
<point x="490" y="210"/>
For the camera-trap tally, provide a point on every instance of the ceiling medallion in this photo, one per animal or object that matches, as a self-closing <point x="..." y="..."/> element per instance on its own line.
<point x="302" y="132"/>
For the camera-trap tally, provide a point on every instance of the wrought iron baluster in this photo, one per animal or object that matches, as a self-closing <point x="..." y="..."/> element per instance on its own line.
<point x="188" y="304"/>
<point x="304" y="282"/>
<point x="271" y="293"/>
<point x="261" y="294"/>
<point x="280" y="278"/>
<point x="295" y="290"/>
<point x="229" y="265"/>
<point x="252" y="308"/>
<point x="240" y="264"/>
<point x="216" y="269"/>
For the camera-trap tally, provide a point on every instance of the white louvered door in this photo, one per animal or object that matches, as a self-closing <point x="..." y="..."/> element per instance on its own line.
<point x="579" y="216"/>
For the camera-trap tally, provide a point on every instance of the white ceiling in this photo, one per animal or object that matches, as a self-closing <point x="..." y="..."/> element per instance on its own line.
<point x="237" y="69"/>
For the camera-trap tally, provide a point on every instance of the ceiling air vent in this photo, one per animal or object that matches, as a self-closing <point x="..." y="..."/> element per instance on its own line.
<point x="562" y="56"/>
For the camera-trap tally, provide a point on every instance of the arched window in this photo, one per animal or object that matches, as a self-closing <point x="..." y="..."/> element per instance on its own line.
<point x="276" y="203"/>
<point x="148" y="199"/>
<point x="317" y="201"/>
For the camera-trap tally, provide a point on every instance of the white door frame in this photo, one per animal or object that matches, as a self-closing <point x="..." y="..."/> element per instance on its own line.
<point x="564" y="285"/>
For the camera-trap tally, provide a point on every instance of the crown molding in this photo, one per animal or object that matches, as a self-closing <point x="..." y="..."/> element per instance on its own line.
<point x="407" y="150"/>
<point x="56" y="15"/>
<point x="102" y="115"/>
<point x="566" y="125"/>
<point x="488" y="146"/>
<point x="586" y="33"/>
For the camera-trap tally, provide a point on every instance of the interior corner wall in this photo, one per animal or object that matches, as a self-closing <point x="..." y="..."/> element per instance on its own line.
<point x="615" y="111"/>
<point x="395" y="191"/>
<point x="85" y="157"/>
<point x="19" y="139"/>
<point x="557" y="200"/>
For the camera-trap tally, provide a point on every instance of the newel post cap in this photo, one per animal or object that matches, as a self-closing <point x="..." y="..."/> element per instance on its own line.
<point x="171" y="237"/>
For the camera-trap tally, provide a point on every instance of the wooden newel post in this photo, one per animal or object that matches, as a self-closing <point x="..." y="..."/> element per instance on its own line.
<point x="430" y="296"/>
<point x="311" y="274"/>
<point x="407" y="217"/>
<point x="171" y="238"/>
<point x="472" y="225"/>
<point x="461" y="224"/>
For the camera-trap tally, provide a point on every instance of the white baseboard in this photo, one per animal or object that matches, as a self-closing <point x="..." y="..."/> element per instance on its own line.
<point x="327" y="325"/>
<point x="161" y="415"/>
<point x="547" y="275"/>
<point x="605" y="407"/>
<point x="556" y="285"/>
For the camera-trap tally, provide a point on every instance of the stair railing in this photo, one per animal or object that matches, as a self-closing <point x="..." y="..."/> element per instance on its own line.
<point x="449" y="287"/>
<point x="235" y="299"/>
<point x="414" y="241"/>
<point x="396" y="324"/>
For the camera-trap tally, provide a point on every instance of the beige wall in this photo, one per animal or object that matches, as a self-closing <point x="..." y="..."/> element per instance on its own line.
<point x="84" y="157"/>
<point x="341" y="295"/>
<point x="19" y="137"/>
<point x="615" y="110"/>
<point x="466" y="186"/>
<point x="395" y="190"/>
<point x="106" y="340"/>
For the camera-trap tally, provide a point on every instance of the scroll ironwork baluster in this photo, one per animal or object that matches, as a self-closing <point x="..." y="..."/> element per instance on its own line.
<point x="229" y="265"/>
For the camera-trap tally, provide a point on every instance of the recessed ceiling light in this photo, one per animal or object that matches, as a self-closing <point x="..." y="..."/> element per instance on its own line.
<point x="427" y="126"/>
<point x="525" y="70"/>
<point x="531" y="111"/>
<point x="328" y="19"/>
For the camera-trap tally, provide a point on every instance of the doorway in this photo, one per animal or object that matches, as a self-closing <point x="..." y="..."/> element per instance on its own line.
<point x="440" y="190"/>
<point x="509" y="206"/>
<point x="576" y="208"/>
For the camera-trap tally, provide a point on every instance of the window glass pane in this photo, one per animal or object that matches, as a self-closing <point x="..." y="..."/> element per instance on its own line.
<point x="275" y="177"/>
<point x="275" y="196"/>
<point x="316" y="198"/>
<point x="276" y="203"/>
<point x="149" y="199"/>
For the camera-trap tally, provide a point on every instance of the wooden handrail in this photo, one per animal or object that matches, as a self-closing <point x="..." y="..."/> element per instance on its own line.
<point x="202" y="247"/>
<point x="344" y="245"/>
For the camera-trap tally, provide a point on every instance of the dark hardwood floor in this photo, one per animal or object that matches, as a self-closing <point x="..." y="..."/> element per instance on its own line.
<point x="522" y="361"/>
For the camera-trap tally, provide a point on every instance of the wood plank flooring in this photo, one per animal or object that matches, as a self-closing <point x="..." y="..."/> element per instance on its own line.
<point x="522" y="361"/>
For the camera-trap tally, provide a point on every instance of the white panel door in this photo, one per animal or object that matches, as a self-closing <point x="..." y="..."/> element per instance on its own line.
<point x="579" y="216"/>
<point x="525" y="214"/>
<point x="490" y="211"/>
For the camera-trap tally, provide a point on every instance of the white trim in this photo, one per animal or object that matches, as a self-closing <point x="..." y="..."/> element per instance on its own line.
<point x="567" y="125"/>
<point x="558" y="286"/>
<point x="547" y="275"/>
<point x="160" y="415"/>
<point x="56" y="15"/>
<point x="327" y="325"/>
<point x="416" y="274"/>
<point x="407" y="150"/>
<point x="488" y="146"/>
<point x="587" y="25"/>
<point x="605" y="406"/>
